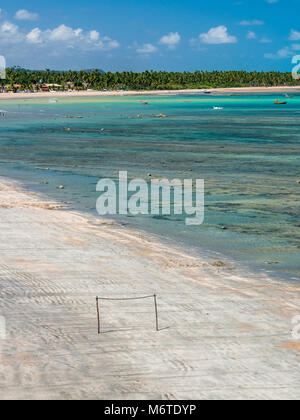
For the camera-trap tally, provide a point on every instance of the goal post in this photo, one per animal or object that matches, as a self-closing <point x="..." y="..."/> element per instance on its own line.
<point x="154" y="297"/>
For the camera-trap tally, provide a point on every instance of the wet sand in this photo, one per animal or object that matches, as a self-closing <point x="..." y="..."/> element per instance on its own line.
<point x="91" y="93"/>
<point x="223" y="335"/>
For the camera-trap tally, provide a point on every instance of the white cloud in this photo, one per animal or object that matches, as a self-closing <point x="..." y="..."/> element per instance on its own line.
<point x="108" y="44"/>
<point x="34" y="36"/>
<point x="38" y="47"/>
<point x="66" y="37"/>
<point x="218" y="35"/>
<point x="281" y="54"/>
<point x="9" y="28"/>
<point x="63" y="33"/>
<point x="251" y="35"/>
<point x="146" y="49"/>
<point x="9" y="35"/>
<point x="94" y="35"/>
<point x="294" y="35"/>
<point x="171" y="40"/>
<point x="296" y="47"/>
<point x="253" y="22"/>
<point x="24" y="14"/>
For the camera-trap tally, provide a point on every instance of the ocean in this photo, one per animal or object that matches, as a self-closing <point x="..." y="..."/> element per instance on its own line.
<point x="247" y="153"/>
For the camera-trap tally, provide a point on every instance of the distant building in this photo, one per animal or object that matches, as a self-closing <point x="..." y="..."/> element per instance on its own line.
<point x="44" y="88"/>
<point x="12" y="88"/>
<point x="70" y="85"/>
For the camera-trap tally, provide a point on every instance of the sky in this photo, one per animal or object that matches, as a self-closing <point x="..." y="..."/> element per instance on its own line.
<point x="171" y="35"/>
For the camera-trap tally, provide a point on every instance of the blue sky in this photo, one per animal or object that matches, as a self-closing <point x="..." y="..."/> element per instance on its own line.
<point x="161" y="35"/>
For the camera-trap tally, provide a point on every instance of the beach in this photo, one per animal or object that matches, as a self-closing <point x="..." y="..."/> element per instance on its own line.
<point x="95" y="93"/>
<point x="223" y="334"/>
<point x="247" y="153"/>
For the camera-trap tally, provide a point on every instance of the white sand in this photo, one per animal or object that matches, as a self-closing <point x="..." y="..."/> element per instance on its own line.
<point x="91" y="93"/>
<point x="222" y="335"/>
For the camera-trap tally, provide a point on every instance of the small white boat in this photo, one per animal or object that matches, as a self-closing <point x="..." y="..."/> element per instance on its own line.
<point x="53" y="101"/>
<point x="217" y="108"/>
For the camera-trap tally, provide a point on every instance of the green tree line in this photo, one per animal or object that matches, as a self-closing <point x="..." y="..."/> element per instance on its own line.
<point x="149" y="80"/>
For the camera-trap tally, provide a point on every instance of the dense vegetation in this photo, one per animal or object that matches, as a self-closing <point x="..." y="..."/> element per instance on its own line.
<point x="148" y="80"/>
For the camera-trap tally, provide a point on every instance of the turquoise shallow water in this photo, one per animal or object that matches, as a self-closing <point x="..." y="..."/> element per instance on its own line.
<point x="248" y="153"/>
